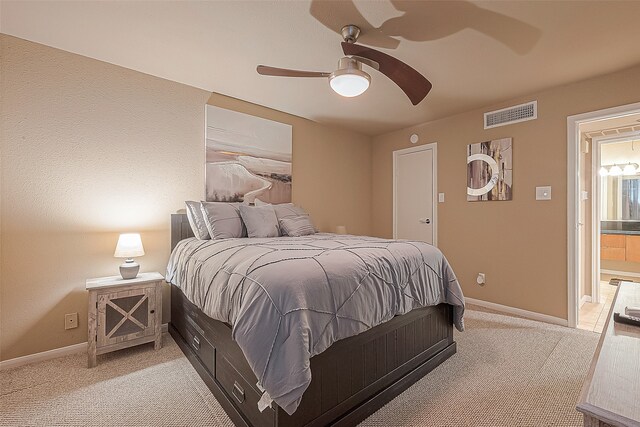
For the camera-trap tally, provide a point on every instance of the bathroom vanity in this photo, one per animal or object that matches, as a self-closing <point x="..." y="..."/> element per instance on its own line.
<point x="620" y="241"/>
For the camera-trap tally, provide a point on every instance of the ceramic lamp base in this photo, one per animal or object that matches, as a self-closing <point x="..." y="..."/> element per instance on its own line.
<point x="129" y="269"/>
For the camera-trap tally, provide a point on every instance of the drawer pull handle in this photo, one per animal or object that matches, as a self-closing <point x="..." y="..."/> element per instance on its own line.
<point x="238" y="392"/>
<point x="196" y="343"/>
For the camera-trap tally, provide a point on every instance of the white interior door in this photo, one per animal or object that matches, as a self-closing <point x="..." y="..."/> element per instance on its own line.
<point x="414" y="190"/>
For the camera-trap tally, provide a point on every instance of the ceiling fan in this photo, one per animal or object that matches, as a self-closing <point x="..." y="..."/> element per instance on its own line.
<point x="350" y="80"/>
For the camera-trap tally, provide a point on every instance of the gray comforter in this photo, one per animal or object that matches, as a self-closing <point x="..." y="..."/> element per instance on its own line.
<point x="289" y="298"/>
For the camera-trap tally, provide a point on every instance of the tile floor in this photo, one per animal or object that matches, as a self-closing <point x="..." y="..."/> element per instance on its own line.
<point x="593" y="316"/>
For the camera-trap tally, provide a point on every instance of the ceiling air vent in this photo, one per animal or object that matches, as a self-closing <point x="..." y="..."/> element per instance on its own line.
<point x="510" y="115"/>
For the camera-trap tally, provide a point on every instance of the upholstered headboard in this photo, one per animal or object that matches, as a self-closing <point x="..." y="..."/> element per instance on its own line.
<point x="180" y="228"/>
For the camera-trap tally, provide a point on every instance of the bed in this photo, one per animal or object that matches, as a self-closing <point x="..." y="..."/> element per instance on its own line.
<point x="350" y="372"/>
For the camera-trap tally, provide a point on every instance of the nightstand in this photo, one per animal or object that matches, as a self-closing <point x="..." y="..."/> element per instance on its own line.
<point x="124" y="313"/>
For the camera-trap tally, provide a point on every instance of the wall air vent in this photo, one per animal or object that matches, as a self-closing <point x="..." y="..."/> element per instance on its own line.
<point x="510" y="115"/>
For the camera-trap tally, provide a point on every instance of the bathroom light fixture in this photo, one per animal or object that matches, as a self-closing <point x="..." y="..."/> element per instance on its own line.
<point x="349" y="80"/>
<point x="615" y="170"/>
<point x="627" y="169"/>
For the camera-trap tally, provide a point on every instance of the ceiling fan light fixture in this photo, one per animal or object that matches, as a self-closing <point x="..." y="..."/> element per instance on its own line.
<point x="349" y="80"/>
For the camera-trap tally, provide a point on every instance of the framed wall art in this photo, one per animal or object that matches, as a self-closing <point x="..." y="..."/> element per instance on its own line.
<point x="490" y="170"/>
<point x="247" y="157"/>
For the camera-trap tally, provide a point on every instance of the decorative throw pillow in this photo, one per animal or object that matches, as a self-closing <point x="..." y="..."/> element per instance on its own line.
<point x="223" y="220"/>
<point x="297" y="226"/>
<point x="289" y="211"/>
<point x="196" y="220"/>
<point x="260" y="221"/>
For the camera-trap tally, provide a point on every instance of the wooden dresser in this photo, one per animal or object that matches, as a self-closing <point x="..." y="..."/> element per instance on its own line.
<point x="611" y="393"/>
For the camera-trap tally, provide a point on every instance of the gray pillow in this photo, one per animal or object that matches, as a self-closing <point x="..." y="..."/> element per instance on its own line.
<point x="288" y="210"/>
<point x="260" y="221"/>
<point x="196" y="220"/>
<point x="297" y="226"/>
<point x="223" y="220"/>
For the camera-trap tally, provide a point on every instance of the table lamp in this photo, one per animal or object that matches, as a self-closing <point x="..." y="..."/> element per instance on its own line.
<point x="129" y="246"/>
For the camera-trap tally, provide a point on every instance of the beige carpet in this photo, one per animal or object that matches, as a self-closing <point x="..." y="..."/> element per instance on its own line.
<point x="507" y="372"/>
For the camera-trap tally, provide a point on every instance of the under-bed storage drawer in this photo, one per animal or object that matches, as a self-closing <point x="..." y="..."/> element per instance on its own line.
<point x="242" y="394"/>
<point x="194" y="336"/>
<point x="199" y="344"/>
<point x="203" y="348"/>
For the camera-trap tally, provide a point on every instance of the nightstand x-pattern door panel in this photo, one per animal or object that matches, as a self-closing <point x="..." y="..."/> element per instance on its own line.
<point x="126" y="315"/>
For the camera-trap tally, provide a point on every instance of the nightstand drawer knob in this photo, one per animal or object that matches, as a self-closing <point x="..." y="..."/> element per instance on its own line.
<point x="196" y="343"/>
<point x="152" y="311"/>
<point x="238" y="392"/>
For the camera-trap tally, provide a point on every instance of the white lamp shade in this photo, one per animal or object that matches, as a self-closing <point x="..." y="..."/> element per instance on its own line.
<point x="629" y="170"/>
<point x="129" y="246"/>
<point x="604" y="171"/>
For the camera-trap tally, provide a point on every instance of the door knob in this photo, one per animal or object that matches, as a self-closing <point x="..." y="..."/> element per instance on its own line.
<point x="425" y="221"/>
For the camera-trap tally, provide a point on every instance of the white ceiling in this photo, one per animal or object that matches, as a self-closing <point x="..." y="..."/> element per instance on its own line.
<point x="475" y="53"/>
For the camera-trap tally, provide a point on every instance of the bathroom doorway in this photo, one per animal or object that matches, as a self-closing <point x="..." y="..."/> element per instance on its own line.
<point x="602" y="193"/>
<point x="608" y="214"/>
<point x="615" y="209"/>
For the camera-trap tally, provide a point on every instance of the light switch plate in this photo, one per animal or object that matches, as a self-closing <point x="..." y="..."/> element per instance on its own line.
<point x="440" y="197"/>
<point x="584" y="195"/>
<point x="543" y="193"/>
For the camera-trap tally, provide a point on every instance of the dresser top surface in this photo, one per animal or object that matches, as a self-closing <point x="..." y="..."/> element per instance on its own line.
<point x="612" y="387"/>
<point x="116" y="281"/>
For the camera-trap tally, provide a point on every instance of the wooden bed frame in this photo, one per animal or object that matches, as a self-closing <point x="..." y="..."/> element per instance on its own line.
<point x="350" y="381"/>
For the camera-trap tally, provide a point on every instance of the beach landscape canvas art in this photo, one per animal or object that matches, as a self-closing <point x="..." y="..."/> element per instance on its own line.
<point x="247" y="157"/>
<point x="490" y="170"/>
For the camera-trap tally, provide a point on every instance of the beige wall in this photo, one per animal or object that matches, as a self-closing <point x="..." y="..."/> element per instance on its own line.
<point x="521" y="245"/>
<point x="89" y="150"/>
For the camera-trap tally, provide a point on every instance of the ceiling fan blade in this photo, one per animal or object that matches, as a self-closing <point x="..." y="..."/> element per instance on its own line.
<point x="367" y="61"/>
<point x="283" y="72"/>
<point x="412" y="83"/>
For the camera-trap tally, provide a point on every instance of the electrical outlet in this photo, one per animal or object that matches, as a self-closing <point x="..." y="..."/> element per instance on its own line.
<point x="71" y="320"/>
<point x="481" y="279"/>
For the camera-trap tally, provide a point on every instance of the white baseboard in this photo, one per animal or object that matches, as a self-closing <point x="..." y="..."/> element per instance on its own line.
<point x="518" y="312"/>
<point x="620" y="273"/>
<point x="51" y="354"/>
<point x="45" y="355"/>
<point x="585" y="298"/>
